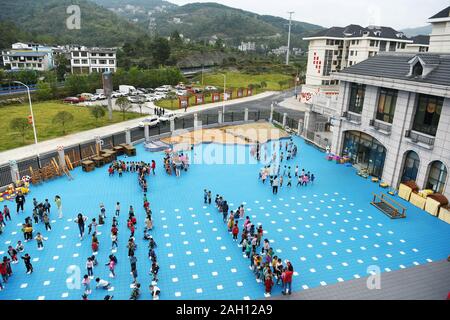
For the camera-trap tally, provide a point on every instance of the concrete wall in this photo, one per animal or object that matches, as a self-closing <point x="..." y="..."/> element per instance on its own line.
<point x="396" y="144"/>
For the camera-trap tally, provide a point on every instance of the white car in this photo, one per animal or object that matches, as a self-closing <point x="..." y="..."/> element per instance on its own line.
<point x="160" y="96"/>
<point x="97" y="97"/>
<point x="152" y="121"/>
<point x="167" y="116"/>
<point x="150" y="98"/>
<point x="181" y="92"/>
<point x="210" y="88"/>
<point x="136" y="99"/>
<point x="117" y="95"/>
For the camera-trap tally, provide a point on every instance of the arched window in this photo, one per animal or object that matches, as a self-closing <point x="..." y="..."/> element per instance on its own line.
<point x="410" y="166"/>
<point x="437" y="177"/>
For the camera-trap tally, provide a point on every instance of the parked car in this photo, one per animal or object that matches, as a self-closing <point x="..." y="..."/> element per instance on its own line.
<point x="73" y="100"/>
<point x="180" y="86"/>
<point x="136" y="99"/>
<point x="117" y="94"/>
<point x="181" y="92"/>
<point x="165" y="88"/>
<point x="167" y="116"/>
<point x="97" y="97"/>
<point x="86" y="96"/>
<point x="150" y="98"/>
<point x="152" y="121"/>
<point x="210" y="88"/>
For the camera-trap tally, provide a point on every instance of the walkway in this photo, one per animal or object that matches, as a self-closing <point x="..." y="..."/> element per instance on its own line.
<point x="76" y="138"/>
<point x="429" y="281"/>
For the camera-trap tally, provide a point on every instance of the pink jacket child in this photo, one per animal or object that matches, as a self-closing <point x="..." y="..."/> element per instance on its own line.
<point x="305" y="179"/>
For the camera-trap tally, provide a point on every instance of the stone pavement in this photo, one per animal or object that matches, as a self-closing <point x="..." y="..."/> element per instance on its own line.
<point x="429" y="281"/>
<point x="292" y="103"/>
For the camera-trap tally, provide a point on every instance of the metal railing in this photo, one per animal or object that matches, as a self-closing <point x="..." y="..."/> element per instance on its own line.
<point x="86" y="149"/>
<point x="418" y="137"/>
<point x="353" y="117"/>
<point x="382" y="126"/>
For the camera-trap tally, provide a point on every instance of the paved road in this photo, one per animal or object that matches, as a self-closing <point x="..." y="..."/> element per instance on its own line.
<point x="262" y="104"/>
<point x="430" y="281"/>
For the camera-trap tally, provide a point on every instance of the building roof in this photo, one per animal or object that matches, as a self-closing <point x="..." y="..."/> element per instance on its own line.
<point x="397" y="66"/>
<point x="442" y="14"/>
<point x="421" y="39"/>
<point x="356" y="31"/>
<point x="27" y="54"/>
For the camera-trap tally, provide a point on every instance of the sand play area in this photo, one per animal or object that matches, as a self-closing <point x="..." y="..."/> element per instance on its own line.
<point x="241" y="134"/>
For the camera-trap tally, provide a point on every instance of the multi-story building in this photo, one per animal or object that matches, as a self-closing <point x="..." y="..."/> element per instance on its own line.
<point x="420" y="44"/>
<point x="440" y="35"/>
<point x="393" y="114"/>
<point x="88" y="60"/>
<point x="331" y="50"/>
<point x="247" y="46"/>
<point x="28" y="56"/>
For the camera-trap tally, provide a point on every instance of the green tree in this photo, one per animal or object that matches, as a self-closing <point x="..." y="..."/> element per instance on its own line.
<point x="161" y="50"/>
<point x="98" y="112"/>
<point x="21" y="126"/>
<point x="44" y="90"/>
<point x="124" y="105"/>
<point x="172" y="97"/>
<point x="62" y="65"/>
<point x="63" y="118"/>
<point x="281" y="83"/>
<point x="263" y="84"/>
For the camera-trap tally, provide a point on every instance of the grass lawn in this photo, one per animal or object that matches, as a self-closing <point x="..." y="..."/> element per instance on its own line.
<point x="46" y="129"/>
<point x="237" y="79"/>
<point x="234" y="80"/>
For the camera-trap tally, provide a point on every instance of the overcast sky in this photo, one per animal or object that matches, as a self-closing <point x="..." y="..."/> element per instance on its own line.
<point x="398" y="14"/>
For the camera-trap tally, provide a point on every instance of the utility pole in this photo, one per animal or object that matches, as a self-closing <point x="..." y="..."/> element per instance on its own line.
<point x="289" y="37"/>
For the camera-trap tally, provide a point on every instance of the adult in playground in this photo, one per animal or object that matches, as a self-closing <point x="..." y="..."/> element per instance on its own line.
<point x="59" y="206"/>
<point x="20" y="201"/>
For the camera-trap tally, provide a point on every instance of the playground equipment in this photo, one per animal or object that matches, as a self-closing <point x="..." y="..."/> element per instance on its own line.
<point x="388" y="206"/>
<point x="11" y="191"/>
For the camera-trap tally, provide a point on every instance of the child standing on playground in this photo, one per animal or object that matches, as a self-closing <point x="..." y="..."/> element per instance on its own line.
<point x="92" y="225"/>
<point x="113" y="241"/>
<point x="6" y="213"/>
<point x="46" y="220"/>
<point x="87" y="284"/>
<point x="13" y="254"/>
<point x="27" y="260"/>
<point x="235" y="232"/>
<point x="117" y="209"/>
<point x="90" y="267"/>
<point x="205" y="196"/>
<point x="40" y="241"/>
<point x="47" y="206"/>
<point x="112" y="264"/>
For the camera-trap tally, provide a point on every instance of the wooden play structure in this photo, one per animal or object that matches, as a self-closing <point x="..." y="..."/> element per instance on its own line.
<point x="50" y="171"/>
<point x="129" y="149"/>
<point x="88" y="165"/>
<point x="388" y="206"/>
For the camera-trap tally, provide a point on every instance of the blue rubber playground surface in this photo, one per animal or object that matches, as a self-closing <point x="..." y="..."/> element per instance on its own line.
<point x="329" y="231"/>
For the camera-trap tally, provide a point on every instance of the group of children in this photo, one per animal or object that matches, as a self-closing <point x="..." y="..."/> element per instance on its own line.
<point x="266" y="266"/>
<point x="41" y="214"/>
<point x="279" y="174"/>
<point x="175" y="163"/>
<point x="91" y="262"/>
